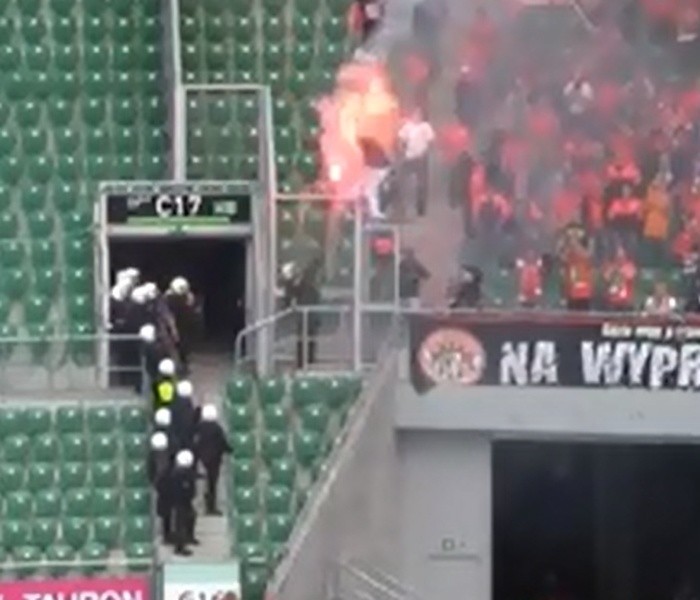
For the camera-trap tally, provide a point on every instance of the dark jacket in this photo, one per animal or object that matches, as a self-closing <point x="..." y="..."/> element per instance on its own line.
<point x="183" y="422"/>
<point x="211" y="443"/>
<point x="182" y="486"/>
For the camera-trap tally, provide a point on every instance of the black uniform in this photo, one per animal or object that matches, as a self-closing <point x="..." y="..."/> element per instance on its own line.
<point x="183" y="423"/>
<point x="211" y="446"/>
<point x="303" y="291"/>
<point x="468" y="294"/>
<point x="183" y="310"/>
<point x="182" y="492"/>
<point x="159" y="474"/>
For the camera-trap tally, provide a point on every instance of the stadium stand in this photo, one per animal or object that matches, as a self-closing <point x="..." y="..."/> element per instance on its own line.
<point x="74" y="489"/>
<point x="296" y="48"/>
<point x="281" y="433"/>
<point x="81" y="102"/>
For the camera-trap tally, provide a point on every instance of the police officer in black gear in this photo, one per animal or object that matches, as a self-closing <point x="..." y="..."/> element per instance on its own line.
<point x="184" y="416"/>
<point x="211" y="446"/>
<point x="468" y="292"/>
<point x="159" y="473"/>
<point x="162" y="421"/>
<point x="182" y="305"/>
<point x="300" y="288"/>
<point x="182" y="492"/>
<point x="164" y="389"/>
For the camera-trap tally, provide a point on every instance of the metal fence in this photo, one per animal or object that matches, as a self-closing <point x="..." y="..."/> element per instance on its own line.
<point x="70" y="363"/>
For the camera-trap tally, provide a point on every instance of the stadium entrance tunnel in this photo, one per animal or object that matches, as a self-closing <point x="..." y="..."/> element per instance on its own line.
<point x="595" y="521"/>
<point x="214" y="267"/>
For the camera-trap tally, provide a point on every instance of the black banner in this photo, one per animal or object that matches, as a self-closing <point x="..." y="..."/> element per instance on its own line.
<point x="483" y="349"/>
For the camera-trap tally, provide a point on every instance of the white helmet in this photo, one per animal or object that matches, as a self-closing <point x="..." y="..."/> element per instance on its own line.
<point x="147" y="333"/>
<point x="159" y="441"/>
<point x="184" y="388"/>
<point x="184" y="458"/>
<point x="288" y="270"/>
<point x="120" y="291"/>
<point x="129" y="276"/>
<point x="166" y="367"/>
<point x="179" y="285"/>
<point x="138" y="295"/>
<point x="162" y="418"/>
<point x="150" y="290"/>
<point x="209" y="413"/>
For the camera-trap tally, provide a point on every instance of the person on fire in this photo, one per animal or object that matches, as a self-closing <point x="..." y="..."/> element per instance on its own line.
<point x="159" y="472"/>
<point x="299" y="287"/>
<point x="619" y="277"/>
<point x="529" y="272"/>
<point x="210" y="446"/>
<point x="182" y="490"/>
<point x="182" y="305"/>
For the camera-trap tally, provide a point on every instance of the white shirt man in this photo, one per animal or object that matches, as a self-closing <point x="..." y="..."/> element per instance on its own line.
<point x="579" y="96"/>
<point x="416" y="136"/>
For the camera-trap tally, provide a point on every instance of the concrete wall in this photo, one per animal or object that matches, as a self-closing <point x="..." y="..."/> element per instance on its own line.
<point x="445" y="484"/>
<point x="353" y="514"/>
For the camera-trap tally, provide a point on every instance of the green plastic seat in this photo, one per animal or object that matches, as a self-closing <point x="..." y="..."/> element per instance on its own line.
<point x="102" y="419"/>
<point x="247" y="529"/>
<point x="304" y="391"/>
<point x="16" y="448"/>
<point x="79" y="281"/>
<point x="133" y="419"/>
<point x="103" y="447"/>
<point x="304" y="27"/>
<point x="15" y="533"/>
<point x="47" y="504"/>
<point x="96" y="58"/>
<point x="241" y="418"/>
<point x="8" y="141"/>
<point x="40" y="224"/>
<point x="137" y="501"/>
<point x="138" y="530"/>
<point x="40" y="168"/>
<point x="72" y="475"/>
<point x="307" y="447"/>
<point x="75" y="531"/>
<point x="15" y="282"/>
<point x="36" y="309"/>
<point x="61" y="556"/>
<point x="40" y="476"/>
<point x="96" y="140"/>
<point x="43" y="254"/>
<point x="315" y="417"/>
<point x="34" y="140"/>
<point x="8" y="226"/>
<point x="243" y="445"/>
<point x="246" y="499"/>
<point x="69" y="419"/>
<point x="34" y="199"/>
<point x="139" y="556"/>
<point x="19" y="505"/>
<point x="279" y="526"/>
<point x="135" y="445"/>
<point x="45" y="448"/>
<point x="272" y="391"/>
<point x="276" y="418"/>
<point x="135" y="475"/>
<point x="254" y="574"/>
<point x="274" y="446"/>
<point x="44" y="532"/>
<point x="245" y="57"/>
<point x="95" y="555"/>
<point x="66" y="140"/>
<point x="80" y="308"/>
<point x="278" y="499"/>
<point x="107" y="531"/>
<point x="78" y="251"/>
<point x="283" y="472"/>
<point x="252" y="553"/>
<point x="106" y="502"/>
<point x="13" y="254"/>
<point x="104" y="474"/>
<point x="28" y="113"/>
<point x="11" y="169"/>
<point x="73" y="448"/>
<point x="77" y="502"/>
<point x="11" y="477"/>
<point x="11" y="422"/>
<point x="245" y="473"/>
<point x="28" y="557"/>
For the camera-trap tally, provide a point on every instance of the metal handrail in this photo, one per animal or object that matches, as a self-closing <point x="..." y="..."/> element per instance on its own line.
<point x="254" y="328"/>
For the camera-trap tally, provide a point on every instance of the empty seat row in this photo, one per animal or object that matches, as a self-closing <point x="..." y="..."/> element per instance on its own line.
<point x="72" y="447"/>
<point x="87" y="7"/>
<point x="302" y="390"/>
<point x="46" y="475"/>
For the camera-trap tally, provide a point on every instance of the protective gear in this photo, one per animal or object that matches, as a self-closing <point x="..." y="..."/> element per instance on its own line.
<point x="211" y="445"/>
<point x="209" y="413"/>
<point x="179" y="285"/>
<point x="166" y="367"/>
<point x="138" y="295"/>
<point x="184" y="389"/>
<point x="159" y="474"/>
<point x="120" y="292"/>
<point x="159" y="441"/>
<point x="288" y="270"/>
<point x="147" y="333"/>
<point x="182" y="492"/>
<point x="163" y="418"/>
<point x="150" y="291"/>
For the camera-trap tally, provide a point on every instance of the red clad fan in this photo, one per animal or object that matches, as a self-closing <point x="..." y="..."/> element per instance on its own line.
<point x="529" y="279"/>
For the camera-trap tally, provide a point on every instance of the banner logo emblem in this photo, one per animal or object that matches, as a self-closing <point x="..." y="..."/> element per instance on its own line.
<point x="452" y="355"/>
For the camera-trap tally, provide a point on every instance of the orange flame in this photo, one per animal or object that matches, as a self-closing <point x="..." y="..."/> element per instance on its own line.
<point x="363" y="106"/>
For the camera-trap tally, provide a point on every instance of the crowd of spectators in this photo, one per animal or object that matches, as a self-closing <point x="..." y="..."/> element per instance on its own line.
<point x="575" y="151"/>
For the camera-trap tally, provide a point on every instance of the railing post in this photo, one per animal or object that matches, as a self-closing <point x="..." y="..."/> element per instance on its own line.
<point x="357" y="289"/>
<point x="304" y="338"/>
